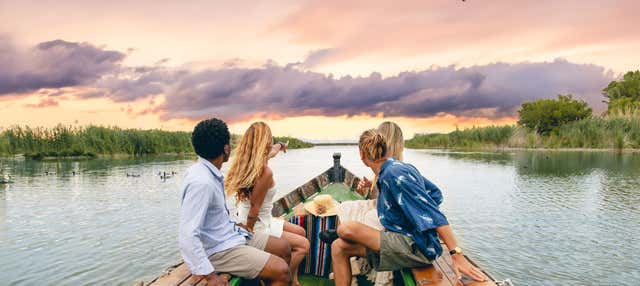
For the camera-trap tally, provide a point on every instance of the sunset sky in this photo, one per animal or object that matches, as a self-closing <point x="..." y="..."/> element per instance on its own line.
<point x="321" y="70"/>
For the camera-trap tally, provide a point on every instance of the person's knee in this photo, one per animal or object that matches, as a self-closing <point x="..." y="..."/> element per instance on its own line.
<point x="276" y="270"/>
<point x="306" y="245"/>
<point x="347" y="230"/>
<point x="338" y="247"/>
<point x="282" y="272"/>
<point x="300" y="231"/>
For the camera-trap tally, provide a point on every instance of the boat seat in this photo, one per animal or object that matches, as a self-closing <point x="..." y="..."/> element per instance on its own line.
<point x="440" y="273"/>
<point x="179" y="275"/>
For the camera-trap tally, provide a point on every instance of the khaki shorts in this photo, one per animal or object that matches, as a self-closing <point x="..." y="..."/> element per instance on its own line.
<point x="397" y="251"/>
<point x="246" y="261"/>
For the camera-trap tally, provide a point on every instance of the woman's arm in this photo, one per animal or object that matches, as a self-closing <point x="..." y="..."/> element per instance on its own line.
<point x="260" y="189"/>
<point x="280" y="146"/>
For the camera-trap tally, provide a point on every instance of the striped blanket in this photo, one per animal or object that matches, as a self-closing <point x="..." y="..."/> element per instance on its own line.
<point x="318" y="261"/>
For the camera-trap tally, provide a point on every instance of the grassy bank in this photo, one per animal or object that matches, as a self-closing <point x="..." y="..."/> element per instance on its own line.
<point x="610" y="132"/>
<point x="91" y="141"/>
<point x="294" y="143"/>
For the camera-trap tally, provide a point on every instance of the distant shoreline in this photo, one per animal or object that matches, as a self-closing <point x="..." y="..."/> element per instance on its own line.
<point x="507" y="149"/>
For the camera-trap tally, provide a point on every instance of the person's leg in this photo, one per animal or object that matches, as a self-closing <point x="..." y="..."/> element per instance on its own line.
<point x="276" y="271"/>
<point x="300" y="248"/>
<point x="341" y="251"/>
<point x="358" y="233"/>
<point x="279" y="247"/>
<point x="271" y="244"/>
<point x="294" y="228"/>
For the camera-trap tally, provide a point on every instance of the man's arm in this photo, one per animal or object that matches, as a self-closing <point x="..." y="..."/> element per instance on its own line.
<point x="192" y="214"/>
<point x="460" y="263"/>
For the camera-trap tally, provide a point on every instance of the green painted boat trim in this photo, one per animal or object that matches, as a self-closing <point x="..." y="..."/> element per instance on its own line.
<point x="407" y="278"/>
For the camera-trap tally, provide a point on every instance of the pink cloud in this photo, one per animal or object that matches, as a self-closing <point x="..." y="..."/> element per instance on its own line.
<point x="45" y="102"/>
<point x="411" y="28"/>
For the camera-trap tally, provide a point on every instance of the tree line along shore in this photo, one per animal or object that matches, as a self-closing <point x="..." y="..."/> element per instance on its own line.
<point x="557" y="123"/>
<point x="91" y="141"/>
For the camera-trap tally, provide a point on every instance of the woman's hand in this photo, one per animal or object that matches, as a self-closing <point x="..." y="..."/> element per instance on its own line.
<point x="280" y="146"/>
<point x="363" y="185"/>
<point x="462" y="265"/>
<point x="284" y="146"/>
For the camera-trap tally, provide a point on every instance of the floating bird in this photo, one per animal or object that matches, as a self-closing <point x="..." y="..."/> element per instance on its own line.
<point x="49" y="173"/>
<point x="133" y="175"/>
<point x="165" y="176"/>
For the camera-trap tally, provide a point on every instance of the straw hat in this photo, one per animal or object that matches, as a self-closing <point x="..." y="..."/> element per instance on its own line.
<point x="322" y="205"/>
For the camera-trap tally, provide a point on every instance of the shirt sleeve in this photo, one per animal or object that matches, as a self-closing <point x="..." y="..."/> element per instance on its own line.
<point x="193" y="210"/>
<point x="416" y="203"/>
<point x="434" y="191"/>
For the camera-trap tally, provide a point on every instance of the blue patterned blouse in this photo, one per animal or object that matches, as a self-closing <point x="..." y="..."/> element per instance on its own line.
<point x="408" y="204"/>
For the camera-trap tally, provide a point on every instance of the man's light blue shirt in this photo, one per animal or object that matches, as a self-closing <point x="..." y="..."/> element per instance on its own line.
<point x="205" y="225"/>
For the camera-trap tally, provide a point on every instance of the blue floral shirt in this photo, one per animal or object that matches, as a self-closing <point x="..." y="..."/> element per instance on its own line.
<point x="408" y="204"/>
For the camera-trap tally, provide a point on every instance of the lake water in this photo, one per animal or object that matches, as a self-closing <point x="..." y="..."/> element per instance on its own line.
<point x="539" y="218"/>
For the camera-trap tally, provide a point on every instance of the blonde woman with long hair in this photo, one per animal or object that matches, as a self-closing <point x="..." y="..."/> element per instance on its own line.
<point x="395" y="147"/>
<point x="251" y="181"/>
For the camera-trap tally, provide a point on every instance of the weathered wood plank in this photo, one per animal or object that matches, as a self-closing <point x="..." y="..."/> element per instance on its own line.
<point x="174" y="277"/>
<point x="447" y="264"/>
<point x="429" y="276"/>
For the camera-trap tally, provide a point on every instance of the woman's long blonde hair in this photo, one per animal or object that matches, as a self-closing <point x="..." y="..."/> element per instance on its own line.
<point x="393" y="135"/>
<point x="250" y="158"/>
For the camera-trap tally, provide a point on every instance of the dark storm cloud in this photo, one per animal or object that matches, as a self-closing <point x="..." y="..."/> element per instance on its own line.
<point x="53" y="64"/>
<point x="273" y="91"/>
<point x="493" y="91"/>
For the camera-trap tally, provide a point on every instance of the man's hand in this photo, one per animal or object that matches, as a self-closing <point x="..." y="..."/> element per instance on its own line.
<point x="247" y="228"/>
<point x="363" y="185"/>
<point x="462" y="265"/>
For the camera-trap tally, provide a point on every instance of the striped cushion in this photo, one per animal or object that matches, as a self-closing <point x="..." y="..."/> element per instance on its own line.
<point x="318" y="261"/>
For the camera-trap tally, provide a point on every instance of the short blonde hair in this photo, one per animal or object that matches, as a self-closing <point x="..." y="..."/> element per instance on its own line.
<point x="373" y="144"/>
<point x="395" y="141"/>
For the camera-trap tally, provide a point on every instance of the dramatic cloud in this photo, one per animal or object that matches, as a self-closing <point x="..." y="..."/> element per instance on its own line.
<point x="491" y="91"/>
<point x="238" y="93"/>
<point x="53" y="64"/>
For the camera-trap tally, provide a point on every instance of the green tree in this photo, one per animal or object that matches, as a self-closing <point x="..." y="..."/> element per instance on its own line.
<point x="547" y="115"/>
<point x="624" y="96"/>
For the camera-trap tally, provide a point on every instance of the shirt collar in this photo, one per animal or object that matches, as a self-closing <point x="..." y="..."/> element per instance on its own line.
<point x="386" y="164"/>
<point x="215" y="171"/>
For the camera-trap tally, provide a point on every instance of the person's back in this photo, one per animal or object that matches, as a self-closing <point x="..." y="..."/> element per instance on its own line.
<point x="403" y="198"/>
<point x="218" y="232"/>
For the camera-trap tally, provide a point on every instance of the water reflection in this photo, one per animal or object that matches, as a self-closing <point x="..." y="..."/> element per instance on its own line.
<point x="558" y="163"/>
<point x="541" y="218"/>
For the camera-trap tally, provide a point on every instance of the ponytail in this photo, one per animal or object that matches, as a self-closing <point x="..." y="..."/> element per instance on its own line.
<point x="373" y="144"/>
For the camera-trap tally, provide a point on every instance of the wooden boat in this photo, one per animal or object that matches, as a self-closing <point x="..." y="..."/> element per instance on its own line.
<point x="341" y="184"/>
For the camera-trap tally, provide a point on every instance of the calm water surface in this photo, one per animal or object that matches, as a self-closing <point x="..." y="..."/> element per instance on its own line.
<point x="539" y="218"/>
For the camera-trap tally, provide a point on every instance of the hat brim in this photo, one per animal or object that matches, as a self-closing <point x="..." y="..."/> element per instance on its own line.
<point x="331" y="210"/>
